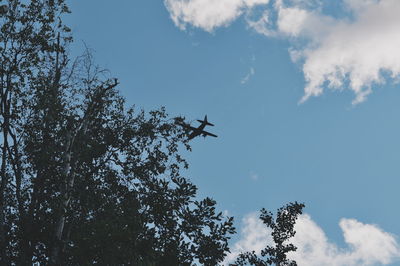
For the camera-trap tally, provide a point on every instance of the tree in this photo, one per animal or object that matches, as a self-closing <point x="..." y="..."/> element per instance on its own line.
<point x="282" y="230"/>
<point x="28" y="36"/>
<point x="84" y="179"/>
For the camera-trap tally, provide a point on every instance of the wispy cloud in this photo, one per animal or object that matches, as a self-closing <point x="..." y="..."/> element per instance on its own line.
<point x="367" y="244"/>
<point x="358" y="51"/>
<point x="246" y="78"/>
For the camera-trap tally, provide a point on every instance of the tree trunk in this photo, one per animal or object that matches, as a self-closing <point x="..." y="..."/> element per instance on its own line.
<point x="68" y="178"/>
<point x="5" y="113"/>
<point x="68" y="174"/>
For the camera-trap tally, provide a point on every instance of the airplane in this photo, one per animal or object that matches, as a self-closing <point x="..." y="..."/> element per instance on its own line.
<point x="197" y="131"/>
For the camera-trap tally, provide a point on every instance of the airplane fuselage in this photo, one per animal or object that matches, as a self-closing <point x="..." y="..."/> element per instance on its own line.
<point x="196" y="131"/>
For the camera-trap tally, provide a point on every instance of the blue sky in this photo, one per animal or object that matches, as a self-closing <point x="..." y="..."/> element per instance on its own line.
<point x="303" y="94"/>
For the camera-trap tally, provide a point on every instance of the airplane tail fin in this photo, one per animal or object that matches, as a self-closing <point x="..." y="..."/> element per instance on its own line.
<point x="205" y="121"/>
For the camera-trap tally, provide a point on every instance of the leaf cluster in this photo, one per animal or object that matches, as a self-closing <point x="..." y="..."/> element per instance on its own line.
<point x="282" y="227"/>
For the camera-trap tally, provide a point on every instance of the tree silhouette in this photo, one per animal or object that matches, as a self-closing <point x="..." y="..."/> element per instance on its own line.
<point x="282" y="230"/>
<point x="84" y="179"/>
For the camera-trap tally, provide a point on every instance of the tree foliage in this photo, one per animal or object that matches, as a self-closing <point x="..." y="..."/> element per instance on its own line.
<point x="84" y="179"/>
<point x="282" y="230"/>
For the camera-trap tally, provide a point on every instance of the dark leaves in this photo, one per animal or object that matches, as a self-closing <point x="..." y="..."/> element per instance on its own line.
<point x="282" y="230"/>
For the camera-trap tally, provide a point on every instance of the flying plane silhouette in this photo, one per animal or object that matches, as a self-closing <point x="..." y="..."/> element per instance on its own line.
<point x="197" y="131"/>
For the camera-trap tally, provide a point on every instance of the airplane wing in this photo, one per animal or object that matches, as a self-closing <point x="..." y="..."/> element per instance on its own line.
<point x="205" y="133"/>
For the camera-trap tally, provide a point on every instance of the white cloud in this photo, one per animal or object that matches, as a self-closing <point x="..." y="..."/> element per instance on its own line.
<point x="348" y="53"/>
<point x="367" y="244"/>
<point x="352" y="52"/>
<point x="254" y="236"/>
<point x="208" y="14"/>
<point x="358" y="51"/>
